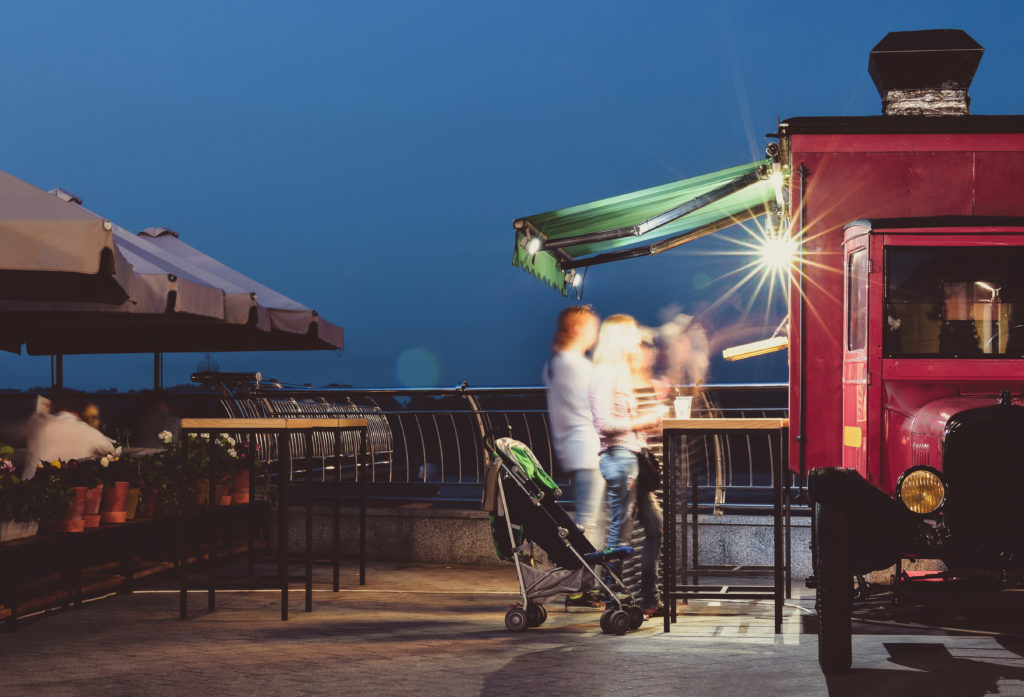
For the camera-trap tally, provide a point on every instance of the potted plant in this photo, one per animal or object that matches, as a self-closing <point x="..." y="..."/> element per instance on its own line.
<point x="159" y="477"/>
<point x="87" y="473"/>
<point x="46" y="499"/>
<point x="119" y="477"/>
<point x="18" y="502"/>
<point x="202" y="455"/>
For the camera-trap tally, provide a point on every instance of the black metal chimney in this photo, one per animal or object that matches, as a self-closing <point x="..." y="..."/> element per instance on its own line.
<point x="925" y="73"/>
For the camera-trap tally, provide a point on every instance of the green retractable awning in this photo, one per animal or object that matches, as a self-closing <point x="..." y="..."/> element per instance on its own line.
<point x="641" y="223"/>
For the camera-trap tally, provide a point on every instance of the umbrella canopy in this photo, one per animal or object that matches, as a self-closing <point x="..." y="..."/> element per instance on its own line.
<point x="178" y="300"/>
<point x="54" y="249"/>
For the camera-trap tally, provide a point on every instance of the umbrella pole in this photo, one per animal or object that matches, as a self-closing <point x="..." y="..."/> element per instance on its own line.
<point x="57" y="371"/>
<point x="158" y="371"/>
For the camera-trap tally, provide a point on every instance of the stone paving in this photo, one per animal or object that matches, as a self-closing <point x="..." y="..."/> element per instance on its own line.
<point x="420" y="629"/>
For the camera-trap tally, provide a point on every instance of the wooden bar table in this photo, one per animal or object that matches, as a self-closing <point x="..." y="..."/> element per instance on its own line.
<point x="680" y="486"/>
<point x="284" y="428"/>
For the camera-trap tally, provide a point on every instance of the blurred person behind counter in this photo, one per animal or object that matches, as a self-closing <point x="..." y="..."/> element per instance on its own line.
<point x="62" y="434"/>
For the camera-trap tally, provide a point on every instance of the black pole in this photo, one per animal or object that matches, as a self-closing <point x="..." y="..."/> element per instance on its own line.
<point x="158" y="371"/>
<point x="309" y="520"/>
<point x="284" y="455"/>
<point x="801" y="404"/>
<point x="336" y="522"/>
<point x="668" y="538"/>
<point x="363" y="469"/>
<point x="777" y="527"/>
<point x="250" y="462"/>
<point x="181" y="481"/>
<point x="211" y="523"/>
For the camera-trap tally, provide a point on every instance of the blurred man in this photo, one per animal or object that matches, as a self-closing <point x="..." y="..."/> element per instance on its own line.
<point x="63" y="435"/>
<point x="575" y="440"/>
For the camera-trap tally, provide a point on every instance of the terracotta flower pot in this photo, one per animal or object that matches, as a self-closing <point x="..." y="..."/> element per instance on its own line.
<point x="240" y="487"/>
<point x="131" y="506"/>
<point x="72" y="520"/>
<point x="223" y="495"/>
<point x="113" y="508"/>
<point x="91" y="512"/>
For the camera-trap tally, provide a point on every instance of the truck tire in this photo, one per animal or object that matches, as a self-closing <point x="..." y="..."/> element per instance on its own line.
<point x="834" y="594"/>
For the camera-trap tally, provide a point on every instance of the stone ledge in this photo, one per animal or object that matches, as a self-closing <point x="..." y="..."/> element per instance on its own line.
<point x="458" y="536"/>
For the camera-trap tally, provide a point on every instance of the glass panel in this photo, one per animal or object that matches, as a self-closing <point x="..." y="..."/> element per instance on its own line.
<point x="955" y="302"/>
<point x="857" y="327"/>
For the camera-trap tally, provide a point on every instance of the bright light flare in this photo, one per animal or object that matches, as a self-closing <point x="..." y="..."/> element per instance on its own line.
<point x="777" y="252"/>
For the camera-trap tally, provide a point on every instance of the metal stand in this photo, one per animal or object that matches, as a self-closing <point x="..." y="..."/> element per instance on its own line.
<point x="284" y="428"/>
<point x="680" y="486"/>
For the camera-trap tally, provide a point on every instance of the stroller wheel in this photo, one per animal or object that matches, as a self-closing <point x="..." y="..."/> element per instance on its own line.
<point x="605" y="616"/>
<point x="636" y="616"/>
<point x="515" y="619"/>
<point x="536" y="614"/>
<point x="618" y="622"/>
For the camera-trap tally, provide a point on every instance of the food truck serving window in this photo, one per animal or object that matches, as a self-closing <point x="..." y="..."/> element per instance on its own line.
<point x="954" y="302"/>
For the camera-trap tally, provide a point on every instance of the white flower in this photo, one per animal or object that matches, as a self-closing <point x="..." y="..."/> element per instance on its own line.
<point x="204" y="436"/>
<point x="164" y="437"/>
<point x="105" y="461"/>
<point x="232" y="453"/>
<point x="231" y="441"/>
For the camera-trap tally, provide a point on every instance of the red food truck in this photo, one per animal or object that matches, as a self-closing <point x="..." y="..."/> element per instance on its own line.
<point x="907" y="330"/>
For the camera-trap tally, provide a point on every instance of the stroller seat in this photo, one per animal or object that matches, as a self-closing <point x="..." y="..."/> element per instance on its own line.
<point x="522" y="501"/>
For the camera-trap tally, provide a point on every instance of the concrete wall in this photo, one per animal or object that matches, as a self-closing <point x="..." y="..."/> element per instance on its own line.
<point x="445" y="536"/>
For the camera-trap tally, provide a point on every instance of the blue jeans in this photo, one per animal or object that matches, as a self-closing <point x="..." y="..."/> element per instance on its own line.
<point x="619" y="466"/>
<point x="588" y="488"/>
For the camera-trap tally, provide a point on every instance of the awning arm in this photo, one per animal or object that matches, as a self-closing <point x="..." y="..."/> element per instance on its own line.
<point x="662" y="218"/>
<point x="562" y="256"/>
<point x="670" y="243"/>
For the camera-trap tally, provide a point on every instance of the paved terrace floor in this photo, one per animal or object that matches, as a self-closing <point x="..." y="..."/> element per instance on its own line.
<point x="420" y="629"/>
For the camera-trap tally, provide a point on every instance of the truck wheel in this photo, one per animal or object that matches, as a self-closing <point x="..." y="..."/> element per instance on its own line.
<point x="834" y="594"/>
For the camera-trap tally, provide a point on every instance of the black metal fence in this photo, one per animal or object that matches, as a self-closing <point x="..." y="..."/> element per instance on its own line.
<point x="428" y="444"/>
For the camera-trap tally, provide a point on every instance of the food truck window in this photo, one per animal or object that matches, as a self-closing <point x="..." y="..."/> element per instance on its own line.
<point x="857" y="293"/>
<point x="954" y="302"/>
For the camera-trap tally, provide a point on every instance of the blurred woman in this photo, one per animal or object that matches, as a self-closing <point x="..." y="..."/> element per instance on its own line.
<point x="619" y="369"/>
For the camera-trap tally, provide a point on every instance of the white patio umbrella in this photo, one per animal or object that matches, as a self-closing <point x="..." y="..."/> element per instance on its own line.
<point x="53" y="249"/>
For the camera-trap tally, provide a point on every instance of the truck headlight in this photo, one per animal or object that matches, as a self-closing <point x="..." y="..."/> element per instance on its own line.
<point x="921" y="490"/>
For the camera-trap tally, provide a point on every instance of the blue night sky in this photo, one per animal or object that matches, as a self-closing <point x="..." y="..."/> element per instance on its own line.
<point x="367" y="159"/>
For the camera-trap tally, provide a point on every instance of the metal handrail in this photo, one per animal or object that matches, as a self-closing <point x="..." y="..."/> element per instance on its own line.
<point x="435" y="436"/>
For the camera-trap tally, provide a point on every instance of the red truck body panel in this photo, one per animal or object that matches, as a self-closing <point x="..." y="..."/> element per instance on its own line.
<point x="855" y="408"/>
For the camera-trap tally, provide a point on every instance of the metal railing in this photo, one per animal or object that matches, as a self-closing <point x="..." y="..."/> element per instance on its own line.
<point x="429" y="443"/>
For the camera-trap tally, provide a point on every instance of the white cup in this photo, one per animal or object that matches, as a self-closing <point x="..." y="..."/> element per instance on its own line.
<point x="682" y="407"/>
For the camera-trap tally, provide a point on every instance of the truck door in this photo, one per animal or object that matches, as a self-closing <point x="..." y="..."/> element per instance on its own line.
<point x="855" y="354"/>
